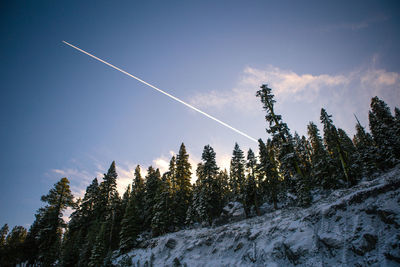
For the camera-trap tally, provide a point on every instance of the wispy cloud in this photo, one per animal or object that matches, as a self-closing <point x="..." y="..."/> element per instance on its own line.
<point x="355" y="25"/>
<point x="343" y="93"/>
<point x="287" y="84"/>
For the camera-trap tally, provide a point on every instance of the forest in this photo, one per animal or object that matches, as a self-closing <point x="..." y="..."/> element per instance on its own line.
<point x="286" y="167"/>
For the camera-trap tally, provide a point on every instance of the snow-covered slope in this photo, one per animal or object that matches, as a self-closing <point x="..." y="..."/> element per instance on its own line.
<point x="350" y="227"/>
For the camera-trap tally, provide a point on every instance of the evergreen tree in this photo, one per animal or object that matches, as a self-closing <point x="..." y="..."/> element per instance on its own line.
<point x="153" y="180"/>
<point x="322" y="171"/>
<point x="90" y="208"/>
<point x="302" y="149"/>
<point x="397" y="121"/>
<point x="78" y="241"/>
<point x="282" y="140"/>
<point x="206" y="204"/>
<point x="45" y="233"/>
<point x="31" y="244"/>
<point x="3" y="236"/>
<point x="223" y="187"/>
<point x="350" y="154"/>
<point x="366" y="151"/>
<point x="183" y="191"/>
<point x="161" y="221"/>
<point x="237" y="175"/>
<point x="172" y="173"/>
<point x="108" y="188"/>
<point x="268" y="177"/>
<point x="99" y="250"/>
<point x="397" y="124"/>
<point x="335" y="150"/>
<point x="386" y="138"/>
<point x="13" y="253"/>
<point x="106" y="227"/>
<point x="303" y="183"/>
<point x="251" y="190"/>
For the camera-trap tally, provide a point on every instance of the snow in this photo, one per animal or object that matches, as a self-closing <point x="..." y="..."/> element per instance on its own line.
<point x="359" y="226"/>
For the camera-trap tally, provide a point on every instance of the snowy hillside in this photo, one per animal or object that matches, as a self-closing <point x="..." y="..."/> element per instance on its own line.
<point x="349" y="227"/>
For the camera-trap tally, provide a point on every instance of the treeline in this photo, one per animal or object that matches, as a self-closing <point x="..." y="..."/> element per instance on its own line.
<point x="287" y="167"/>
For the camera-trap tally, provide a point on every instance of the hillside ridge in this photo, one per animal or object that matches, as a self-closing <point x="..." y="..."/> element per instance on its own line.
<point x="358" y="226"/>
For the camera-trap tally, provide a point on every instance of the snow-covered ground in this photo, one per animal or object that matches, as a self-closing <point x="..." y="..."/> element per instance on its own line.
<point x="359" y="226"/>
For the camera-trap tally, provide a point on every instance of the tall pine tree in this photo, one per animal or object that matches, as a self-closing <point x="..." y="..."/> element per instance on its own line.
<point x="322" y="169"/>
<point x="251" y="189"/>
<point x="153" y="180"/>
<point x="183" y="190"/>
<point x="282" y="140"/>
<point x="366" y="150"/>
<point x="46" y="231"/>
<point x="383" y="129"/>
<point x="267" y="172"/>
<point x="132" y="223"/>
<point x="335" y="150"/>
<point x="237" y="175"/>
<point x="206" y="204"/>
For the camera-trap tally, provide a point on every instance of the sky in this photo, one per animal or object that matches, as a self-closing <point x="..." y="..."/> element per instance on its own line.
<point x="64" y="114"/>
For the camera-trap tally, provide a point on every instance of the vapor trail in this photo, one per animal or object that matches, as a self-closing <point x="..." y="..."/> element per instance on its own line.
<point x="161" y="91"/>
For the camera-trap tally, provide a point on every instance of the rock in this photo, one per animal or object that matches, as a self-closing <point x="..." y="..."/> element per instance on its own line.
<point x="290" y="255"/>
<point x="171" y="243"/>
<point x="254" y="235"/>
<point x="266" y="208"/>
<point x="176" y="262"/>
<point x="251" y="254"/>
<point x="388" y="217"/>
<point x="233" y="212"/>
<point x="366" y="244"/>
<point x="239" y="246"/>
<point x="209" y="241"/>
<point x="330" y="240"/>
<point x="393" y="249"/>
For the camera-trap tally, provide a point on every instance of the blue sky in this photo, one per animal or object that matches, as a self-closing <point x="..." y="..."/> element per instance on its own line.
<point x="65" y="114"/>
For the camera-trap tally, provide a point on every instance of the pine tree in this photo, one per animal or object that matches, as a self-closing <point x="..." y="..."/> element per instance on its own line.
<point x="172" y="173"/>
<point x="322" y="171"/>
<point x="237" y="176"/>
<point x="223" y="187"/>
<point x="13" y="247"/>
<point x="397" y="121"/>
<point x="366" y="150"/>
<point x="350" y="155"/>
<point x="77" y="241"/>
<point x="251" y="189"/>
<point x="31" y="244"/>
<point x="207" y="194"/>
<point x="3" y="235"/>
<point x="153" y="180"/>
<point x="45" y="233"/>
<point x="302" y="147"/>
<point x="161" y="221"/>
<point x="183" y="192"/>
<point x="268" y="177"/>
<point x="335" y="150"/>
<point x="303" y="183"/>
<point x="383" y="129"/>
<point x="107" y="224"/>
<point x="99" y="250"/>
<point x="282" y="140"/>
<point x="3" y="251"/>
<point x="108" y="188"/>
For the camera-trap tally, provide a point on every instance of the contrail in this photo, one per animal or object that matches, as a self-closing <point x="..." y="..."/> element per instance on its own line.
<point x="161" y="91"/>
